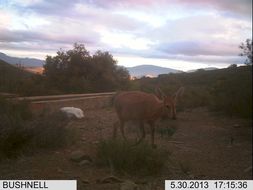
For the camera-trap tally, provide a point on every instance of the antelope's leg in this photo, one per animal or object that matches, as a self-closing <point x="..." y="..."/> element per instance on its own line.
<point x="115" y="129"/>
<point x="143" y="134"/>
<point x="122" y="123"/>
<point x="152" y="127"/>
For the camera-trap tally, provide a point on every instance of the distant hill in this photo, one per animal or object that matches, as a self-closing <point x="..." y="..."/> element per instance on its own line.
<point x="206" y="69"/>
<point x="149" y="70"/>
<point x="11" y="77"/>
<point x="8" y="69"/>
<point x="25" y="62"/>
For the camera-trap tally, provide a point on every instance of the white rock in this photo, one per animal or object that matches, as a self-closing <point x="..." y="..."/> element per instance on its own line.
<point x="72" y="112"/>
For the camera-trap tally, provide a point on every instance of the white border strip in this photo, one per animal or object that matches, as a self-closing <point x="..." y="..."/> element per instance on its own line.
<point x="38" y="184"/>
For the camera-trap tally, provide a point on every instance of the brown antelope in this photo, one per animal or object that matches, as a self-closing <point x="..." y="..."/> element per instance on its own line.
<point x="143" y="107"/>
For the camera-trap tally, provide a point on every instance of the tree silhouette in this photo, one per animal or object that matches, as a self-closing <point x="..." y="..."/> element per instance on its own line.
<point x="247" y="51"/>
<point x="77" y="71"/>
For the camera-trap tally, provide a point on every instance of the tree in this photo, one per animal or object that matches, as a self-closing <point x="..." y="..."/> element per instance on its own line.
<point x="78" y="71"/>
<point x="247" y="51"/>
<point x="232" y="66"/>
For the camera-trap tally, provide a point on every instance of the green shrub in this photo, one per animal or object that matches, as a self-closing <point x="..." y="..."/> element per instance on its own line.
<point x="14" y="136"/>
<point x="14" y="133"/>
<point x="17" y="109"/>
<point x="51" y="131"/>
<point x="166" y="131"/>
<point x="20" y="133"/>
<point x="122" y="157"/>
<point x="233" y="94"/>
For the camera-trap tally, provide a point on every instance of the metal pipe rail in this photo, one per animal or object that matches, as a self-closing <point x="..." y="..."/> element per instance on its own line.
<point x="65" y="97"/>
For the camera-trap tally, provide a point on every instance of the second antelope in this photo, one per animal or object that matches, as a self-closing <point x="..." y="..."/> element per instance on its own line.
<point x="144" y="107"/>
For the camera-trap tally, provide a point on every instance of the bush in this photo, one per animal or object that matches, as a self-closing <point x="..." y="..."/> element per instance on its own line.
<point x="19" y="109"/>
<point x="51" y="131"/>
<point x="20" y="133"/>
<point x="14" y="136"/>
<point x="233" y="94"/>
<point x="166" y="131"/>
<point x="123" y="157"/>
<point x="14" y="133"/>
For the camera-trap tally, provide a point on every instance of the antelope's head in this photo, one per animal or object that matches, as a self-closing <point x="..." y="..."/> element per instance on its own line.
<point x="170" y="102"/>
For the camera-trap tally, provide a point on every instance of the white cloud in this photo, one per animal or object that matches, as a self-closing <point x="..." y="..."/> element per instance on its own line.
<point x="5" y="18"/>
<point x="123" y="40"/>
<point x="164" y="31"/>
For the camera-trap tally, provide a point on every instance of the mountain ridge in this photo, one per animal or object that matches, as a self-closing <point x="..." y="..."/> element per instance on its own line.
<point x="26" y="62"/>
<point x="139" y="71"/>
<point x="149" y="70"/>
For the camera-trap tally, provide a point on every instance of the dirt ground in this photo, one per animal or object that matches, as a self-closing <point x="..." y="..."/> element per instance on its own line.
<point x="205" y="146"/>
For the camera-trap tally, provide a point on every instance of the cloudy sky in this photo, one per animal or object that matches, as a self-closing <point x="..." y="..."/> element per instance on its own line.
<point x="180" y="34"/>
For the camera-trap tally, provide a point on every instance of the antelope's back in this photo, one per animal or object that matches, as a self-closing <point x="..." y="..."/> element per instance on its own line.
<point x="135" y="105"/>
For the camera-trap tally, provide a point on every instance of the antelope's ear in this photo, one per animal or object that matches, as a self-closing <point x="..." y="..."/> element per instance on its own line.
<point x="179" y="93"/>
<point x="159" y="93"/>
